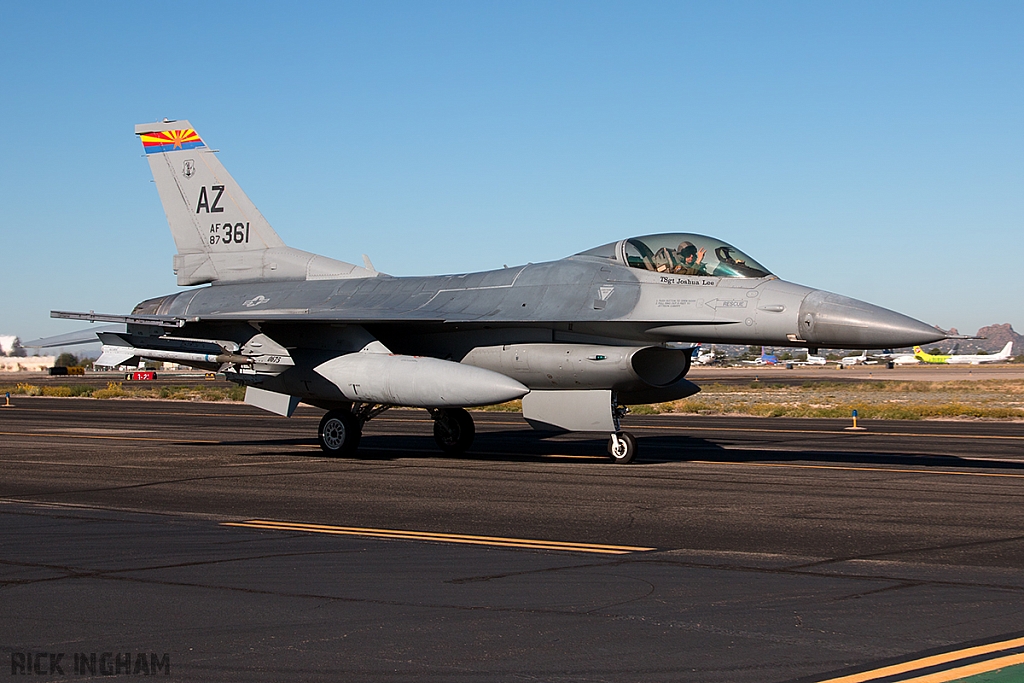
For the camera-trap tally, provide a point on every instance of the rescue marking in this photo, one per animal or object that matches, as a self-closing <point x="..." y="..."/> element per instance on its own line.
<point x="499" y="541"/>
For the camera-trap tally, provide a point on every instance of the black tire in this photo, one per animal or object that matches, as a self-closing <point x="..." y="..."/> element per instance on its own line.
<point x="453" y="430"/>
<point x="339" y="433"/>
<point x="626" y="450"/>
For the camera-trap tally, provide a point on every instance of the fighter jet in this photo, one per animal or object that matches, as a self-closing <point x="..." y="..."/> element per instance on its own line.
<point x="577" y="339"/>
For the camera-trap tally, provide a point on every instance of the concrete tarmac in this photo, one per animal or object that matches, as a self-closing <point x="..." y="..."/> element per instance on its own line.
<point x="736" y="549"/>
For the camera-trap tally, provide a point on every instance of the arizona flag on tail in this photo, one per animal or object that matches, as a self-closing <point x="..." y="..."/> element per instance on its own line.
<point x="220" y="234"/>
<point x="170" y="140"/>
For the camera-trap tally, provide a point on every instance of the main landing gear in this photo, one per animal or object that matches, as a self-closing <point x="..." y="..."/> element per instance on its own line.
<point x="339" y="433"/>
<point x="453" y="429"/>
<point x="341" y="428"/>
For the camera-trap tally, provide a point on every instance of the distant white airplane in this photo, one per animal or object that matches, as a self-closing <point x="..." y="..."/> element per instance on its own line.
<point x="847" y="361"/>
<point x="811" y="359"/>
<point x="705" y="357"/>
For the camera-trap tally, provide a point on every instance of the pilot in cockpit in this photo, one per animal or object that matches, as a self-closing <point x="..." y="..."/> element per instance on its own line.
<point x="689" y="260"/>
<point x="685" y="260"/>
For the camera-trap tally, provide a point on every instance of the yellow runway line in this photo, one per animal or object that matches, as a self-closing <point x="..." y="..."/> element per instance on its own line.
<point x="969" y="670"/>
<point x="499" y="541"/>
<point x="934" y="660"/>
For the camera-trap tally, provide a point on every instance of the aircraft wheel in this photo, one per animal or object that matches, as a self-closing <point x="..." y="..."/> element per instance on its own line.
<point x="453" y="429"/>
<point x="622" y="446"/>
<point x="339" y="433"/>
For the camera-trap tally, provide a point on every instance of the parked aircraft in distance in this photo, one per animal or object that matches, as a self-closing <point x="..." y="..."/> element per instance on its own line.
<point x="704" y="356"/>
<point x="764" y="359"/>
<point x="862" y="359"/>
<point x="578" y="339"/>
<point x="811" y="359"/>
<point x="890" y="356"/>
<point x="967" y="358"/>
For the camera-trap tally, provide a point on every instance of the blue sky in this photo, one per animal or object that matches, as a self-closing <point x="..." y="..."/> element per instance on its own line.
<point x="873" y="149"/>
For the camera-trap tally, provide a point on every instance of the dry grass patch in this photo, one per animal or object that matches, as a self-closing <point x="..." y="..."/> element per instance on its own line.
<point x="893" y="400"/>
<point x="989" y="399"/>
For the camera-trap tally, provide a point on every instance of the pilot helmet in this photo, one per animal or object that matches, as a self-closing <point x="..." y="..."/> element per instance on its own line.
<point x="686" y="250"/>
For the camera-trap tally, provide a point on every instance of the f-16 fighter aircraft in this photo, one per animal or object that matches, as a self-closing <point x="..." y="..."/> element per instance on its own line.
<point x="577" y="339"/>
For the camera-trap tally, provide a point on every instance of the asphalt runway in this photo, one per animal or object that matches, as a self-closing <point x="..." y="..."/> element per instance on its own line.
<point x="735" y="549"/>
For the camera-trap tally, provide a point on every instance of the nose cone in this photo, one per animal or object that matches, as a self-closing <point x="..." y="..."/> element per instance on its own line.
<point x="828" y="319"/>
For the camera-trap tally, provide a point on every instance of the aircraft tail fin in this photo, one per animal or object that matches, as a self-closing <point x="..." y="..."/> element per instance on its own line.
<point x="220" y="234"/>
<point x="1007" y="350"/>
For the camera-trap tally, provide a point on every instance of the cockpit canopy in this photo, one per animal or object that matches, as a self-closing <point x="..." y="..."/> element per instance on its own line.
<point x="681" y="253"/>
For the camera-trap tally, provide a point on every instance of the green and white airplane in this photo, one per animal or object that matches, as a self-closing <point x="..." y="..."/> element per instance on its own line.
<point x="964" y="359"/>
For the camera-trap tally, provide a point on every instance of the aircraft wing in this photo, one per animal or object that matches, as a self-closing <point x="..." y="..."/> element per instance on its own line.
<point x="346" y="315"/>
<point x="86" y="336"/>
<point x="159" y="320"/>
<point x="279" y="314"/>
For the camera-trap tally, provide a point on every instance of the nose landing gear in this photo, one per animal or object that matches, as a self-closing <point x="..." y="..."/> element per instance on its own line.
<point x="622" y="447"/>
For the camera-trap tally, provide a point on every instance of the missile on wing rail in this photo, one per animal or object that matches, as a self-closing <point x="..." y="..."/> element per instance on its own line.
<point x="113" y="356"/>
<point x="417" y="381"/>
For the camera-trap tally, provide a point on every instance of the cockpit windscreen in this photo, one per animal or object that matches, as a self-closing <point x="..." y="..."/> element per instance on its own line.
<point x="683" y="254"/>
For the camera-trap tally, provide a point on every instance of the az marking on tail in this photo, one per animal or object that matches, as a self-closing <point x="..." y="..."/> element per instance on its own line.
<point x="204" y="202"/>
